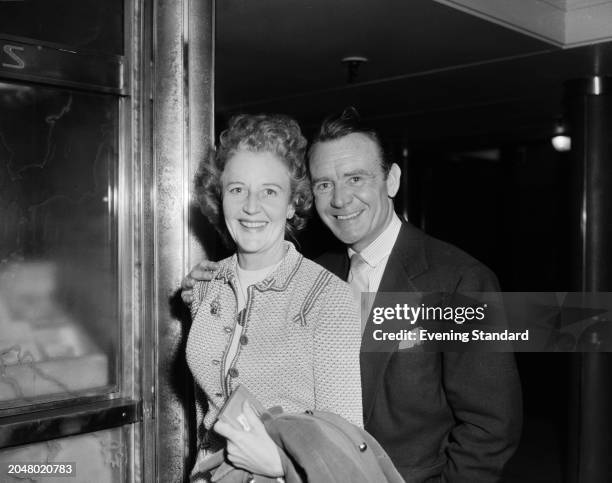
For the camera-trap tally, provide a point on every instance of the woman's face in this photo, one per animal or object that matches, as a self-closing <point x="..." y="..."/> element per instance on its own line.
<point x="256" y="195"/>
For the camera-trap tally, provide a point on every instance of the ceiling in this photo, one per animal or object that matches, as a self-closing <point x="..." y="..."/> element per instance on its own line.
<point x="435" y="69"/>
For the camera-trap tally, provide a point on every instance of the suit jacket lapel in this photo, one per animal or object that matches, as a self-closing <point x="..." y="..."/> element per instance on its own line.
<point x="406" y="261"/>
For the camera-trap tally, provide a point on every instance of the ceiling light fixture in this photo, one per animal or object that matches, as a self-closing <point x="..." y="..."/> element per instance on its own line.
<point x="353" y="63"/>
<point x="561" y="140"/>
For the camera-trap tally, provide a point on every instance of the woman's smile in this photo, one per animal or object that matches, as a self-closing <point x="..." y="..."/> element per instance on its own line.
<point x="251" y="225"/>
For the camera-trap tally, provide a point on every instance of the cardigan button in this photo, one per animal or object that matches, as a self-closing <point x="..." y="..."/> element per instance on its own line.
<point x="363" y="446"/>
<point x="233" y="372"/>
<point x="215" y="307"/>
<point x="244" y="340"/>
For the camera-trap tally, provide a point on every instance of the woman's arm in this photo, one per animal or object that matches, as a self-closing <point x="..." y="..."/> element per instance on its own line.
<point x="337" y="339"/>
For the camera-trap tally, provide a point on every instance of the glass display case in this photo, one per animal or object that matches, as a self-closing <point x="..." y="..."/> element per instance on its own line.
<point x="59" y="317"/>
<point x="70" y="327"/>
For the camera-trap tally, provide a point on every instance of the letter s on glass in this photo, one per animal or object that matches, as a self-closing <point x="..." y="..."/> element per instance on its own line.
<point x="10" y="51"/>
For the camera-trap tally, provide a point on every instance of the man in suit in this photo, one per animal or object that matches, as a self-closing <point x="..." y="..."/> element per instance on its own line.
<point x="452" y="417"/>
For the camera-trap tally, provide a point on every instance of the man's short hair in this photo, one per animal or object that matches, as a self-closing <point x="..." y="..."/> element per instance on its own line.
<point x="348" y="122"/>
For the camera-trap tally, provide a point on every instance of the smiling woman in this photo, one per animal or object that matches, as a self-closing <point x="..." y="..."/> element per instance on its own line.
<point x="250" y="139"/>
<point x="269" y="319"/>
<point x="256" y="205"/>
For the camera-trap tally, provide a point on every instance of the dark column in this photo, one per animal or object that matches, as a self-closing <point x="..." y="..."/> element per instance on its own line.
<point x="590" y="117"/>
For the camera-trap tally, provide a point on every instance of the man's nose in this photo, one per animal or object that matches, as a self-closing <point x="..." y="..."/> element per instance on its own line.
<point x="251" y="203"/>
<point x="341" y="197"/>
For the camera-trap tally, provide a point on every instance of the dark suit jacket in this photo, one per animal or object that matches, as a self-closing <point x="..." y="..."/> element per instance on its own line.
<point x="440" y="416"/>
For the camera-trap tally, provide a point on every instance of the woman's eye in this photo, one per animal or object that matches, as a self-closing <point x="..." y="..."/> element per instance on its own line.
<point x="236" y="190"/>
<point x="270" y="192"/>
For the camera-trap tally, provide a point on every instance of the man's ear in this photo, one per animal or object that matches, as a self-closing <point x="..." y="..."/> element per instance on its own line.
<point x="393" y="180"/>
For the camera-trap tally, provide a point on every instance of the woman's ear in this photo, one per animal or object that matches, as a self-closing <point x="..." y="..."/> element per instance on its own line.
<point x="290" y="210"/>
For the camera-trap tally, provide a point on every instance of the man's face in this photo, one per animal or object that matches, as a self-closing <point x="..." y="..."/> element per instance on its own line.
<point x="352" y="196"/>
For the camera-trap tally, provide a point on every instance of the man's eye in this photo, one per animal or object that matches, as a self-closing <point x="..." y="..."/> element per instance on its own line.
<point x="270" y="192"/>
<point x="236" y="190"/>
<point x="355" y="179"/>
<point x="324" y="186"/>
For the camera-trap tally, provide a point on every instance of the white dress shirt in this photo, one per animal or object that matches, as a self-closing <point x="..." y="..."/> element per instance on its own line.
<point x="376" y="254"/>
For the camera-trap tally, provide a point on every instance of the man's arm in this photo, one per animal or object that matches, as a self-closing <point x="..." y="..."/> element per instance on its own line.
<point x="202" y="272"/>
<point x="484" y="392"/>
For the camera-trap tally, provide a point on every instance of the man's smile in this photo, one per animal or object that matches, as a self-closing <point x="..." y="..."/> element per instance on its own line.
<point x="348" y="216"/>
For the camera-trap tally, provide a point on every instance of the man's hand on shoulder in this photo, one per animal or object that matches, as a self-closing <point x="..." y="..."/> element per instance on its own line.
<point x="202" y="272"/>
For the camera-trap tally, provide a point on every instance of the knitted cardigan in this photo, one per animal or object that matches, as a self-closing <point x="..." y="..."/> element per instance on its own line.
<point x="299" y="346"/>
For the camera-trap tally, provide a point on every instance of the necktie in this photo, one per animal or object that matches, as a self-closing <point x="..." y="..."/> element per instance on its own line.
<point x="358" y="280"/>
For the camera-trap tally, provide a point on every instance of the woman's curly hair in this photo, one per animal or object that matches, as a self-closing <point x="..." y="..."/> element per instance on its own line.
<point x="273" y="133"/>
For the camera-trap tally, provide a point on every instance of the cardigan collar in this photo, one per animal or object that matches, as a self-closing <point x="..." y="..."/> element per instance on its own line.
<point x="277" y="280"/>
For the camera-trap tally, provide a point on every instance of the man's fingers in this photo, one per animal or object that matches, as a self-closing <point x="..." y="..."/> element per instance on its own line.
<point x="209" y="265"/>
<point x="187" y="296"/>
<point x="187" y="283"/>
<point x="203" y="271"/>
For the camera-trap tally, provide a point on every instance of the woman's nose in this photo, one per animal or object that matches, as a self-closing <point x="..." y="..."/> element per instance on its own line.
<point x="251" y="203"/>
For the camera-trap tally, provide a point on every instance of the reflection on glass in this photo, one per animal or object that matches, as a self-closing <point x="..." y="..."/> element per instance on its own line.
<point x="59" y="330"/>
<point x="99" y="457"/>
<point x="81" y="24"/>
